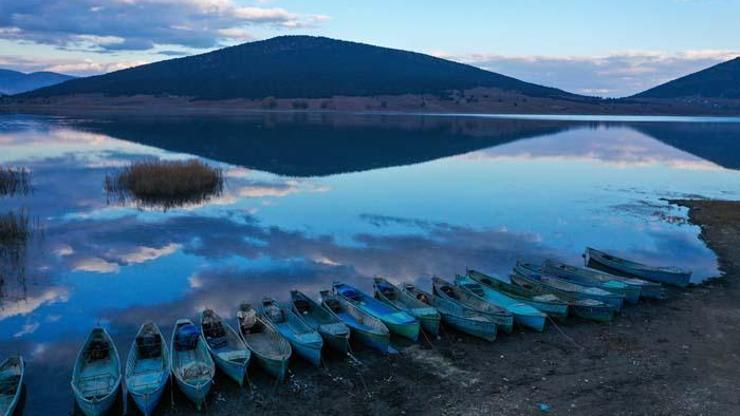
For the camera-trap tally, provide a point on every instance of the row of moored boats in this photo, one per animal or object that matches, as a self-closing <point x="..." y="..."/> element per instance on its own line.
<point x="474" y="303"/>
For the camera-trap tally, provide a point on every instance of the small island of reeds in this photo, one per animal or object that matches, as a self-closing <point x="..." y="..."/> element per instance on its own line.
<point x="14" y="229"/>
<point x="166" y="183"/>
<point x="14" y="181"/>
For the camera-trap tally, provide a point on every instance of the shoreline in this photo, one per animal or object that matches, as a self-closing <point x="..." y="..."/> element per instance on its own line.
<point x="672" y="357"/>
<point x="477" y="101"/>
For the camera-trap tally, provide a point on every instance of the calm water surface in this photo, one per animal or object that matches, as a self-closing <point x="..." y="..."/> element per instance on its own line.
<point x="311" y="198"/>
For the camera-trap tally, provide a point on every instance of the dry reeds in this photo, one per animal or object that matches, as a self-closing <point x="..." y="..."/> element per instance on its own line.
<point x="166" y="184"/>
<point x="14" y="181"/>
<point x="14" y="229"/>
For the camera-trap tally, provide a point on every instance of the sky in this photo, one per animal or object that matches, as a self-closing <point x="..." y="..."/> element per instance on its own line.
<point x="603" y="48"/>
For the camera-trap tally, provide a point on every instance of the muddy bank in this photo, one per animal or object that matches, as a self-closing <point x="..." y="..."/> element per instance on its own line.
<point x="673" y="357"/>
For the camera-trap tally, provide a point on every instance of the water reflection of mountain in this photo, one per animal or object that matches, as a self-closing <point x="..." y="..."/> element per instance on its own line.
<point x="715" y="142"/>
<point x="322" y="144"/>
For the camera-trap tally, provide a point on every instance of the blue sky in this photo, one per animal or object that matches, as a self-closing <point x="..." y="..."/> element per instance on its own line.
<point x="608" y="48"/>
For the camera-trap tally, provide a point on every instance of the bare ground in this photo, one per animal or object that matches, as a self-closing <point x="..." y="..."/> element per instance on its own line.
<point x="675" y="357"/>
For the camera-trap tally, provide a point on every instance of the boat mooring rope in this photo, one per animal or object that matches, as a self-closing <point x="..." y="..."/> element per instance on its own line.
<point x="572" y="341"/>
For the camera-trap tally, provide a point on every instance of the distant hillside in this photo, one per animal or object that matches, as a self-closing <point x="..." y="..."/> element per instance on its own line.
<point x="297" y="67"/>
<point x="721" y="81"/>
<point x="14" y="82"/>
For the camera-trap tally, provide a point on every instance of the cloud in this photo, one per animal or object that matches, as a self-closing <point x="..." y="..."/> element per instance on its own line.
<point x="27" y="329"/>
<point x="139" y="25"/>
<point x="70" y="66"/>
<point x="615" y="75"/>
<point x="31" y="303"/>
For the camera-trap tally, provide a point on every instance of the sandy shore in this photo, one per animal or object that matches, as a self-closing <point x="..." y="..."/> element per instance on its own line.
<point x="673" y="357"/>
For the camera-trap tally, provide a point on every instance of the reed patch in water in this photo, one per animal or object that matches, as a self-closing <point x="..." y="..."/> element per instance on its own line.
<point x="166" y="184"/>
<point x="14" y="229"/>
<point x="14" y="181"/>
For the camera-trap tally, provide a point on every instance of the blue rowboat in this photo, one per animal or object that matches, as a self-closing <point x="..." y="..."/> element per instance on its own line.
<point x="387" y="292"/>
<point x="668" y="275"/>
<point x="269" y="349"/>
<point x="364" y="327"/>
<point x="304" y="340"/>
<point x="226" y="347"/>
<point x="398" y="322"/>
<point x="535" y="272"/>
<point x="525" y="315"/>
<point x="583" y="307"/>
<point x="334" y="332"/>
<point x="12" y="373"/>
<point x="547" y="303"/>
<point x="96" y="377"/>
<point x="593" y="278"/>
<point x="190" y="362"/>
<point x="503" y="318"/>
<point x="455" y="314"/>
<point x="147" y="368"/>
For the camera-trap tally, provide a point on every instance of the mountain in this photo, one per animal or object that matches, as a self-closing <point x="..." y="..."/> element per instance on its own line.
<point x="721" y="81"/>
<point x="297" y="67"/>
<point x="14" y="82"/>
<point x="294" y="145"/>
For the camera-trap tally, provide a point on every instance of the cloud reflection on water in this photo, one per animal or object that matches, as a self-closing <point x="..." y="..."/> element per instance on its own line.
<point x="561" y="187"/>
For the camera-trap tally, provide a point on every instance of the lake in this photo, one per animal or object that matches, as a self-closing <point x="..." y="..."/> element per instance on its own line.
<point x="316" y="197"/>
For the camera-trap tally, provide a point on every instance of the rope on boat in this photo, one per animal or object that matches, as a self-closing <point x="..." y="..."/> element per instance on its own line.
<point x="572" y="341"/>
<point x="172" y="391"/>
<point x="361" y="364"/>
<point x="124" y="411"/>
<point x="249" y="382"/>
<point x="429" y="342"/>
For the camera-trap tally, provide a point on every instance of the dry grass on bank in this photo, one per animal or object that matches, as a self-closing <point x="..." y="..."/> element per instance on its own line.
<point x="165" y="183"/>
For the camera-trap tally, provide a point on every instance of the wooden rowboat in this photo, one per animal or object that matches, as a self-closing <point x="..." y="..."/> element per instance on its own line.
<point x="593" y="278"/>
<point x="398" y="322"/>
<point x="334" y="332"/>
<point x="271" y="351"/>
<point x="583" y="307"/>
<point x="304" y="340"/>
<point x="147" y="367"/>
<point x="12" y="372"/>
<point x="226" y="347"/>
<point x="455" y="314"/>
<point x="560" y="286"/>
<point x="444" y="289"/>
<point x="524" y="314"/>
<point x="364" y="327"/>
<point x="547" y="303"/>
<point x="427" y="315"/>
<point x="191" y="362"/>
<point x="668" y="275"/>
<point x="96" y="377"/>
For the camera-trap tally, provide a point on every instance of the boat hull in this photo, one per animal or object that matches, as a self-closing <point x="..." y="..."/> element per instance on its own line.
<point x="669" y="277"/>
<point x="602" y="313"/>
<point x="273" y="367"/>
<point x="7" y="366"/>
<point x="653" y="291"/>
<point x="430" y="323"/>
<point x="98" y="407"/>
<point x="149" y="401"/>
<point x="339" y="343"/>
<point x="309" y="352"/>
<point x="234" y="370"/>
<point x="477" y="328"/>
<point x="406" y="330"/>
<point x="376" y="341"/>
<point x="551" y="309"/>
<point x="536" y="322"/>
<point x="195" y="393"/>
